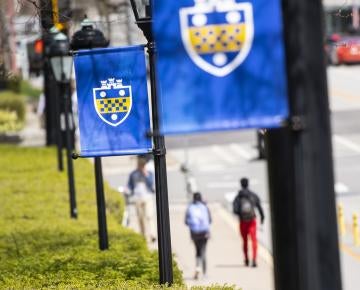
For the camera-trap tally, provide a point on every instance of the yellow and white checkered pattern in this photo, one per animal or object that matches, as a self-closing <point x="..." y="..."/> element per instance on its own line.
<point x="113" y="105"/>
<point x="217" y="38"/>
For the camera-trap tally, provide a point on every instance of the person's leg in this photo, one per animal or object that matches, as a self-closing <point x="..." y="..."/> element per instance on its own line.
<point x="244" y="233"/>
<point x="197" y="243"/>
<point x="203" y="255"/>
<point x="141" y="216"/>
<point x="252" y="233"/>
<point x="150" y="219"/>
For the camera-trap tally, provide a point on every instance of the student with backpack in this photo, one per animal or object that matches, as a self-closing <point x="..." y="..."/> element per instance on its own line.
<point x="244" y="206"/>
<point x="198" y="219"/>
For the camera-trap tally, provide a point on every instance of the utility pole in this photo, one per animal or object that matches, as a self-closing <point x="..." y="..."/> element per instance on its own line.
<point x="300" y="166"/>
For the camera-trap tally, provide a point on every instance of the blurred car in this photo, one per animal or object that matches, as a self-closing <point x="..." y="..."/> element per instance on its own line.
<point x="343" y="49"/>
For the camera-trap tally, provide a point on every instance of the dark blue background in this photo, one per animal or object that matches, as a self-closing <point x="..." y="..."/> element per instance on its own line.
<point x="254" y="95"/>
<point x="98" y="138"/>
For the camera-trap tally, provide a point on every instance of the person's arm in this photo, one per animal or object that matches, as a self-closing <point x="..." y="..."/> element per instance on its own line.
<point x="210" y="217"/>
<point x="187" y="217"/>
<point x="149" y="177"/>
<point x="236" y="205"/>
<point x="130" y="184"/>
<point x="259" y="207"/>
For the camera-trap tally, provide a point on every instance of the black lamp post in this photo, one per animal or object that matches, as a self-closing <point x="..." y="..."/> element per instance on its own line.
<point x="159" y="151"/>
<point x="52" y="49"/>
<point x="61" y="64"/>
<point x="88" y="38"/>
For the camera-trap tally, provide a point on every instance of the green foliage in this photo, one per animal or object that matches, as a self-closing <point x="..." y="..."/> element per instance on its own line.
<point x="9" y="81"/>
<point x="12" y="102"/>
<point x="12" y="111"/>
<point x="8" y="122"/>
<point x="41" y="247"/>
<point x="216" y="287"/>
<point x="13" y="84"/>
<point x="28" y="90"/>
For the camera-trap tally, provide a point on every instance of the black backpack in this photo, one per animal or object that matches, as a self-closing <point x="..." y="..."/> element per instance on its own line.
<point x="244" y="207"/>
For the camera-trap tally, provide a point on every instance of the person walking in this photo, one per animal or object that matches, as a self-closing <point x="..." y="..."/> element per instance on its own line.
<point x="198" y="219"/>
<point x="244" y="206"/>
<point x="141" y="187"/>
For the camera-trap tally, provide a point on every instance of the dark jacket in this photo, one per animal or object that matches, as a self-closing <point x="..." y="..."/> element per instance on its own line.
<point x="245" y="194"/>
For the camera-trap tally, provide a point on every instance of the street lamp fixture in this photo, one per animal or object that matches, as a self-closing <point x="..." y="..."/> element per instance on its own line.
<point x="62" y="67"/>
<point x="61" y="61"/>
<point x="88" y="37"/>
<point x="61" y="64"/>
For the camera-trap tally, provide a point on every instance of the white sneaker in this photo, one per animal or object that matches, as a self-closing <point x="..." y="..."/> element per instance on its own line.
<point x="197" y="274"/>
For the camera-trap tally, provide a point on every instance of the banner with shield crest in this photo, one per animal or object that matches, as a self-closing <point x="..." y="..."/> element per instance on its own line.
<point x="113" y="105"/>
<point x="221" y="64"/>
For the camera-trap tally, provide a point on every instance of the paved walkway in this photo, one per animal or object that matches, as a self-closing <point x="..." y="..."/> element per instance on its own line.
<point x="32" y="134"/>
<point x="225" y="259"/>
<point x="224" y="254"/>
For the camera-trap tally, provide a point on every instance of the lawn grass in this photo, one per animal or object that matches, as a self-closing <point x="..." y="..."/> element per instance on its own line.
<point x="41" y="247"/>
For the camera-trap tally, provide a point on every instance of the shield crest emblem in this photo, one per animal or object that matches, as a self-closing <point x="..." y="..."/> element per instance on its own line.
<point x="113" y="101"/>
<point x="217" y="35"/>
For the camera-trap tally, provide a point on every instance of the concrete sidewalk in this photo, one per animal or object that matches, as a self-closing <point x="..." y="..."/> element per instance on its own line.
<point x="224" y="253"/>
<point x="32" y="135"/>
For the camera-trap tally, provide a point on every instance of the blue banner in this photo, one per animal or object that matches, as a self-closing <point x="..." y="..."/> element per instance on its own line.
<point x="221" y="64"/>
<point x="113" y="104"/>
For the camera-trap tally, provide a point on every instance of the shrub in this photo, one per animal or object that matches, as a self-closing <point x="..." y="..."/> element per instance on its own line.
<point x="13" y="84"/>
<point x="12" y="102"/>
<point x="41" y="247"/>
<point x="8" y="122"/>
<point x="28" y="90"/>
<point x="8" y="81"/>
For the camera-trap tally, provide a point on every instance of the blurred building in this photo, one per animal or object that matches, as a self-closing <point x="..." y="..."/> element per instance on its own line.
<point x="341" y="15"/>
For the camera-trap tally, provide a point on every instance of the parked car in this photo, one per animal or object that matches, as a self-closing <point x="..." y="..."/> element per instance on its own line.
<point x="343" y="49"/>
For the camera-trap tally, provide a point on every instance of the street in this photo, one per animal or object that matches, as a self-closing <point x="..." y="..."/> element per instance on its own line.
<point x="218" y="160"/>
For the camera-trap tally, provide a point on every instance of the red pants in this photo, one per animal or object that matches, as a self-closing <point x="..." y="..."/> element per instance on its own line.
<point x="249" y="228"/>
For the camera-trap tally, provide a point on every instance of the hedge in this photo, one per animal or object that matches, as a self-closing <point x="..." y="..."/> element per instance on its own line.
<point x="9" y="122"/>
<point x="11" y="103"/>
<point x="41" y="247"/>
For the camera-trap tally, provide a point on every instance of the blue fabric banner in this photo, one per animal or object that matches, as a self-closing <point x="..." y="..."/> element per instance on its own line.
<point x="221" y="64"/>
<point x="113" y="104"/>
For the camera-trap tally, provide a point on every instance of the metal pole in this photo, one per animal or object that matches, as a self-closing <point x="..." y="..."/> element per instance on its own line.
<point x="159" y="152"/>
<point x="93" y="40"/>
<point x="50" y="89"/>
<point x="73" y="209"/>
<point x="101" y="210"/>
<point x="162" y="203"/>
<point x="50" y="85"/>
<point x="59" y="141"/>
<point x="300" y="167"/>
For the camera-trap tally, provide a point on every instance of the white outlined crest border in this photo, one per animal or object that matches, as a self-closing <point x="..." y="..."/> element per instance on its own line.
<point x="100" y="115"/>
<point x="243" y="53"/>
